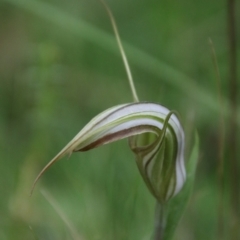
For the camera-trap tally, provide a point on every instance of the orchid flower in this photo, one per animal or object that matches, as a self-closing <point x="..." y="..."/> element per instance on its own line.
<point x="160" y="161"/>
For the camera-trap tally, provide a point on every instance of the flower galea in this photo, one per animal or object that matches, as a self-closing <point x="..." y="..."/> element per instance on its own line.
<point x="155" y="136"/>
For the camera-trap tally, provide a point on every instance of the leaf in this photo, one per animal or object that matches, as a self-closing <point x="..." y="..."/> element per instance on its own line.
<point x="176" y="206"/>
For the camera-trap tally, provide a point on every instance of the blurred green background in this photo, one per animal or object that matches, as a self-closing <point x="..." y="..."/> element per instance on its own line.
<point x="59" y="67"/>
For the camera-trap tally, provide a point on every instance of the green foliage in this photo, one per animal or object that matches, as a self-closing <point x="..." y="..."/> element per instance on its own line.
<point x="59" y="67"/>
<point x="86" y="31"/>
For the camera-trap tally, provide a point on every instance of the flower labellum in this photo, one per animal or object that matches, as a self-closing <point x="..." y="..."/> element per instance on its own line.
<point x="155" y="136"/>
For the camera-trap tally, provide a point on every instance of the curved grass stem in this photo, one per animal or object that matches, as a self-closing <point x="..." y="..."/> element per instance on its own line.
<point x="125" y="61"/>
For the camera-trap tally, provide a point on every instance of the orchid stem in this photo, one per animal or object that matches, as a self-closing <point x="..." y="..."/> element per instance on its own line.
<point x="160" y="222"/>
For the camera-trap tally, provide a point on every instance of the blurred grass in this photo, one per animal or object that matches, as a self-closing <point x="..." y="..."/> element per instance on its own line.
<point x="96" y="36"/>
<point x="57" y="71"/>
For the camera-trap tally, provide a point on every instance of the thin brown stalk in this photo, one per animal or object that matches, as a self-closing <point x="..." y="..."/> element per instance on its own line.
<point x="233" y="131"/>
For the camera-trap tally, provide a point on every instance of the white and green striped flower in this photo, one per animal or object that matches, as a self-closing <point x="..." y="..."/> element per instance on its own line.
<point x="155" y="136"/>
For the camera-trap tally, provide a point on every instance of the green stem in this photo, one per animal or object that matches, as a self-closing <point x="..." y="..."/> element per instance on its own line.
<point x="123" y="54"/>
<point x="160" y="222"/>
